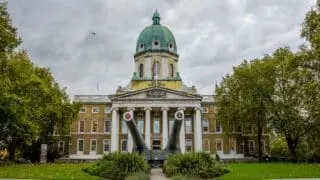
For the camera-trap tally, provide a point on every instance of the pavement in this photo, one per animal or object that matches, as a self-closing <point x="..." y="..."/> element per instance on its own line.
<point x="157" y="174"/>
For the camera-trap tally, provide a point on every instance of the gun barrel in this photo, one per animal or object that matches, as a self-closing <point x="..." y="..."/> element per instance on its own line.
<point x="175" y="132"/>
<point x="136" y="136"/>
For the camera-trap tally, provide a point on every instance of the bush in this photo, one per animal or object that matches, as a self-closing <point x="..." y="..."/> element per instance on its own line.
<point x="118" y="166"/>
<point x="139" y="176"/>
<point x="201" y="165"/>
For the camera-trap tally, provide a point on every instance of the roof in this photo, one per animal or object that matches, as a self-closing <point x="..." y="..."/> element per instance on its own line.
<point x="156" y="37"/>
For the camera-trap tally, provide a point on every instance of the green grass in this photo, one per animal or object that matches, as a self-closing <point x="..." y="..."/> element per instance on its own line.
<point x="46" y="171"/>
<point x="248" y="171"/>
<point x="241" y="171"/>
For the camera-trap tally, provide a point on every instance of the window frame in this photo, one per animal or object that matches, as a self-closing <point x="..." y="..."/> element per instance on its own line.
<point x="191" y="146"/>
<point x="104" y="144"/>
<point x="107" y="110"/>
<point x="79" y="126"/>
<point x="220" y="128"/>
<point x="208" y="143"/>
<point x="85" y="110"/>
<point x="78" y="145"/>
<point x="104" y="126"/>
<point x="141" y="70"/>
<point x="205" y="110"/>
<point x="188" y="129"/>
<point x="208" y="126"/>
<point x="124" y="140"/>
<point x="97" y="108"/>
<point x="217" y="140"/>
<point x="92" y="121"/>
<point x="96" y="145"/>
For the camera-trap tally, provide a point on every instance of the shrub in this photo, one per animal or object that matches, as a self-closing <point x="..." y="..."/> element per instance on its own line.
<point x="118" y="166"/>
<point x="201" y="165"/>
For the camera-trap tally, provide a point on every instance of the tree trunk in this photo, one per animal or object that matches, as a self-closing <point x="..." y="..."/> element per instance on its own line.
<point x="259" y="143"/>
<point x="292" y="148"/>
<point x="12" y="151"/>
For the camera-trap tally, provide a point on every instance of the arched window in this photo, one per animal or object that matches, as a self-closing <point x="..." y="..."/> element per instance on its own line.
<point x="171" y="71"/>
<point x="156" y="70"/>
<point x="141" y="71"/>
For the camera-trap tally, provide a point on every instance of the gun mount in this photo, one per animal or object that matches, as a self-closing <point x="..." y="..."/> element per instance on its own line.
<point x="155" y="157"/>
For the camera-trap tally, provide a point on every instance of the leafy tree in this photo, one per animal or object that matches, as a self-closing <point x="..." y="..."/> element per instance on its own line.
<point x="294" y="105"/>
<point x="8" y="34"/>
<point x="242" y="98"/>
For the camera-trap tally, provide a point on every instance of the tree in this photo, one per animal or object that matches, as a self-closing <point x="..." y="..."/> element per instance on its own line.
<point x="242" y="98"/>
<point x="8" y="34"/>
<point x="294" y="106"/>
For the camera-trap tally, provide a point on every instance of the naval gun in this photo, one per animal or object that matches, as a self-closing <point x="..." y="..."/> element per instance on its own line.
<point x="155" y="157"/>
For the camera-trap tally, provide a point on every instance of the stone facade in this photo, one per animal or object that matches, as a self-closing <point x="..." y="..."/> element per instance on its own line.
<point x="155" y="93"/>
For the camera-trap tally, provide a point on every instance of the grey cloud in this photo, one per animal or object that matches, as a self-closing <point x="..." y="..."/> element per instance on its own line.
<point x="212" y="36"/>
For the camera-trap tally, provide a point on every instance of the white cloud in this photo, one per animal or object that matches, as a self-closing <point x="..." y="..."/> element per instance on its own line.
<point x="212" y="36"/>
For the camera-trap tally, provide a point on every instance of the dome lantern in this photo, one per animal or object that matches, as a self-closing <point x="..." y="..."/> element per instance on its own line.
<point x="156" y="18"/>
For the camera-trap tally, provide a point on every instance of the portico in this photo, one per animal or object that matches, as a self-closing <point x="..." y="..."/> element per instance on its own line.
<point x="153" y="109"/>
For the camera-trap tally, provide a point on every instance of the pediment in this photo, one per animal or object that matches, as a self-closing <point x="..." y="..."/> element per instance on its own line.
<point x="157" y="93"/>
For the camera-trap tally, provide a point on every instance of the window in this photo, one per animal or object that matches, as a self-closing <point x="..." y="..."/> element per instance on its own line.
<point x="61" y="147"/>
<point x="206" y="145"/>
<point x="156" y="126"/>
<point x="205" y="110"/>
<point x="141" y="47"/>
<point x="82" y="110"/>
<point x="81" y="126"/>
<point x="170" y="46"/>
<point x="107" y="126"/>
<point x="156" y="43"/>
<point x="94" y="126"/>
<point x="106" y="145"/>
<point x="188" y="145"/>
<point x="251" y="146"/>
<point x="95" y="109"/>
<point x="93" y="145"/>
<point x="233" y="145"/>
<point x="141" y="126"/>
<point x="124" y="145"/>
<point x="171" y="71"/>
<point x="188" y="125"/>
<point x="219" y="145"/>
<point x="124" y="127"/>
<point x="107" y="110"/>
<point x="241" y="149"/>
<point x="156" y="70"/>
<point x="141" y="71"/>
<point x="218" y="127"/>
<point x="205" y="125"/>
<point x="215" y="109"/>
<point x="80" y="145"/>
<point x="156" y="144"/>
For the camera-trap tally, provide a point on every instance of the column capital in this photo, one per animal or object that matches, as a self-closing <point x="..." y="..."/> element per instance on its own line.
<point x="181" y="108"/>
<point x="165" y="109"/>
<point x="147" y="108"/>
<point x="114" y="108"/>
<point x="131" y="108"/>
<point x="198" y="109"/>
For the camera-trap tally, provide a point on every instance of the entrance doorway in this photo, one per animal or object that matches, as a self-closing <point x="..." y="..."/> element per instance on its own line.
<point x="156" y="144"/>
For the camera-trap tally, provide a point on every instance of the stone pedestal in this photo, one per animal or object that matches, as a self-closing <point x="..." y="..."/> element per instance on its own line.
<point x="43" y="155"/>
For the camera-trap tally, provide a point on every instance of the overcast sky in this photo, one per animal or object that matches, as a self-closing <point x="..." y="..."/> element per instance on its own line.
<point x="212" y="36"/>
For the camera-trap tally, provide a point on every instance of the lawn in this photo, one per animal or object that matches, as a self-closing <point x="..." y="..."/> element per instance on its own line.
<point x="46" y="171"/>
<point x="271" y="171"/>
<point x="243" y="171"/>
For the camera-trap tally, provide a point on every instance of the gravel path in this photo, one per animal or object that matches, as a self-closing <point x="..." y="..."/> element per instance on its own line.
<point x="156" y="174"/>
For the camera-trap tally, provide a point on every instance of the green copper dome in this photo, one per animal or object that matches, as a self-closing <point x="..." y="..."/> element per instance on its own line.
<point x="156" y="37"/>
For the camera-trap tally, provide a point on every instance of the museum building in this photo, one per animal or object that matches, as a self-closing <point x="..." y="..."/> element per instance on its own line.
<point x="156" y="91"/>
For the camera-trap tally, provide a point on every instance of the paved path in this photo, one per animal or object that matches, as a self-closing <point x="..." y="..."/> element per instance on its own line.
<point x="156" y="174"/>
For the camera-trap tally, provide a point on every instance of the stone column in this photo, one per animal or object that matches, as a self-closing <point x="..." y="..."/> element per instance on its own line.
<point x="115" y="130"/>
<point x="182" y="142"/>
<point x="147" y="127"/>
<point x="197" y="130"/>
<point x="130" y="140"/>
<point x="164" y="127"/>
